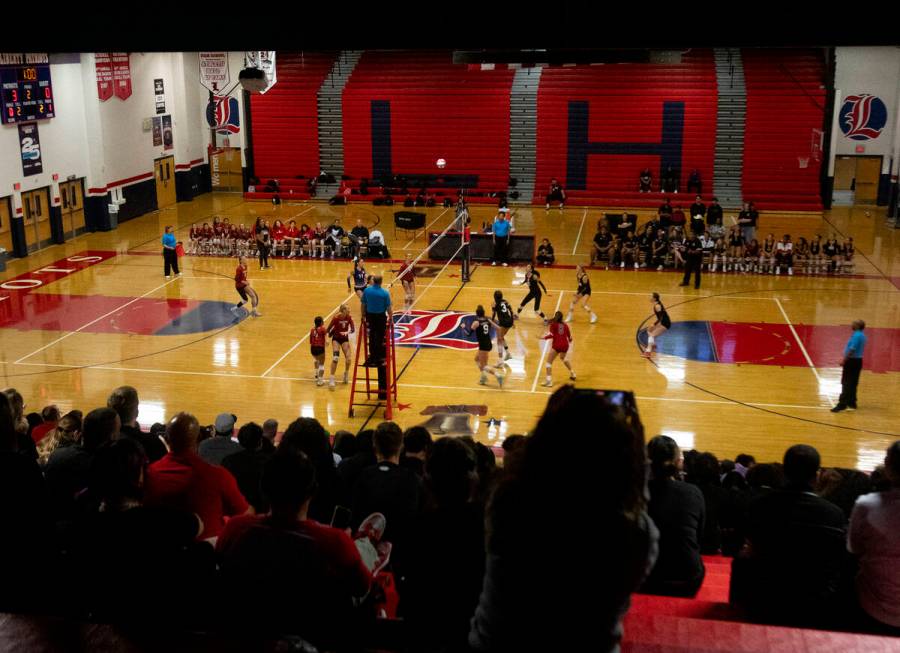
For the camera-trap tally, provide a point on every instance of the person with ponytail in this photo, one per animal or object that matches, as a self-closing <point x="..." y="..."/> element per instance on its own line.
<point x="679" y="512"/>
<point x="663" y="323"/>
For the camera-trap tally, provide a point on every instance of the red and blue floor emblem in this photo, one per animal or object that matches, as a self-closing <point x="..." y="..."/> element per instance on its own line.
<point x="764" y="343"/>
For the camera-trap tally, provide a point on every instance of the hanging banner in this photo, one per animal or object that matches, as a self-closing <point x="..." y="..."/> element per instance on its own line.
<point x="159" y="92"/>
<point x="168" y="141"/>
<point x="214" y="75"/>
<point x="103" y="66"/>
<point x="157" y="132"/>
<point x="121" y="74"/>
<point x="222" y="114"/>
<point x="30" y="148"/>
<point x="265" y="61"/>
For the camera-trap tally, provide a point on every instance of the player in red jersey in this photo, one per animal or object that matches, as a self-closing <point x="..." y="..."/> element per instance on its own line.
<point x="194" y="236"/>
<point x="242" y="285"/>
<point x="206" y="238"/>
<point x="317" y="348"/>
<point x="407" y="276"/>
<point x="562" y="338"/>
<point x="339" y="329"/>
<point x="218" y="237"/>
<point x="292" y="238"/>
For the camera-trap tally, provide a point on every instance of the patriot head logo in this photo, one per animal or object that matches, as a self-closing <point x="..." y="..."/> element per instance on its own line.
<point x="434" y="329"/>
<point x="863" y="117"/>
<point x="222" y="114"/>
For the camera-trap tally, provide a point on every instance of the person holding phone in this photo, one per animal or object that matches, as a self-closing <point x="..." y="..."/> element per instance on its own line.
<point x="562" y="338"/>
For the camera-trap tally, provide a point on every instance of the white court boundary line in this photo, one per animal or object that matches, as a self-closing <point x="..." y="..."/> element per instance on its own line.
<point x="303" y="339"/>
<point x="471" y="287"/>
<point x="578" y="239"/>
<point x="235" y="375"/>
<point x="94" y="321"/>
<point x="427" y="227"/>
<point x="546" y="345"/>
<point x="803" y="349"/>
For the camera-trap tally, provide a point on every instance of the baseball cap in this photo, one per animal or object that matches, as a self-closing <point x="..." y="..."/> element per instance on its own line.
<point x="225" y="423"/>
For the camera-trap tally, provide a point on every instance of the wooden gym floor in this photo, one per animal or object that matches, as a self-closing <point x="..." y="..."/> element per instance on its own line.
<point x="751" y="364"/>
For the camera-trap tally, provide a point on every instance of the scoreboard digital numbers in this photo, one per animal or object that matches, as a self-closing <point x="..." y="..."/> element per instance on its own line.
<point x="27" y="92"/>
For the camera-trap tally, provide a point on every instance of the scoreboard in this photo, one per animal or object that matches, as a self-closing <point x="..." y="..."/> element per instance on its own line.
<point x="27" y="93"/>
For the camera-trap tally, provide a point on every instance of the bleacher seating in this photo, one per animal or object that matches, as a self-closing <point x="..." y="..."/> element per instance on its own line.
<point x="785" y="102"/>
<point x="626" y="106"/>
<point x="285" y="119"/>
<point x="437" y="110"/>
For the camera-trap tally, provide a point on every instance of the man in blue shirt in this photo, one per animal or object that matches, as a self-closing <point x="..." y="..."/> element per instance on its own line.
<point x="376" y="303"/>
<point x="500" y="237"/>
<point x="170" y="254"/>
<point x="852" y="365"/>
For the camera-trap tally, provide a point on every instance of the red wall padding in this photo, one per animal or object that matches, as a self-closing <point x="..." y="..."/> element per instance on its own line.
<point x="785" y="102"/>
<point x="438" y="110"/>
<point x="626" y="106"/>
<point x="285" y="119"/>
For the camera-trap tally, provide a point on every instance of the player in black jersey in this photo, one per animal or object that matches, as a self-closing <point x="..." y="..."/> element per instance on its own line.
<point x="358" y="277"/>
<point x="481" y="325"/>
<point x="535" y="285"/>
<point x="816" y="258"/>
<point x="502" y="313"/>
<point x="663" y="323"/>
<point x="583" y="292"/>
<point x="832" y="252"/>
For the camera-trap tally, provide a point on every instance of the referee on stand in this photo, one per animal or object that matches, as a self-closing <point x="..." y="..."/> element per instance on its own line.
<point x="376" y="303"/>
<point x="852" y="365"/>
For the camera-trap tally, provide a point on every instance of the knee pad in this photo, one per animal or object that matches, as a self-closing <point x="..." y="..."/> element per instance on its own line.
<point x="335" y="357"/>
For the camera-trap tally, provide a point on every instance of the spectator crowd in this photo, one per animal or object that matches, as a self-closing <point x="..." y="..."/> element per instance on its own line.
<point x="537" y="554"/>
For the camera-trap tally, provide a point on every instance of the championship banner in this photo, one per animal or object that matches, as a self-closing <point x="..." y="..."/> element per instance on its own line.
<point x="30" y="149"/>
<point x="223" y="115"/>
<point x="168" y="140"/>
<point x="265" y="61"/>
<point x="214" y="75"/>
<point x="157" y="132"/>
<point x="103" y="66"/>
<point x="121" y="74"/>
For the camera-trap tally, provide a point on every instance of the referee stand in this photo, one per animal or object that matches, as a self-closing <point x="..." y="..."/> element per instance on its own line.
<point x="383" y="387"/>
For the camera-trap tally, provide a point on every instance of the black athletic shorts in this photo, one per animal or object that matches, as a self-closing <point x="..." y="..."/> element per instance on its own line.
<point x="243" y="293"/>
<point x="316" y="351"/>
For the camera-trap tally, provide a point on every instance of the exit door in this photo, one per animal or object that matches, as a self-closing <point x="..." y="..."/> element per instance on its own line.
<point x="860" y="174"/>
<point x="36" y="214"/>
<point x="72" y="197"/>
<point x="164" y="170"/>
<point x="6" y="224"/>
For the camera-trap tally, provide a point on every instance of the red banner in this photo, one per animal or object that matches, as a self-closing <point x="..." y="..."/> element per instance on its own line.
<point x="103" y="64"/>
<point x="121" y="75"/>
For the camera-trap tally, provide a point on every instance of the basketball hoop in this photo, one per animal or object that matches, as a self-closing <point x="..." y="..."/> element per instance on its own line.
<point x="803" y="161"/>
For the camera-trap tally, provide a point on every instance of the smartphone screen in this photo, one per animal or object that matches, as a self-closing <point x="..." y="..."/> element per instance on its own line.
<point x="621" y="398"/>
<point x="341" y="517"/>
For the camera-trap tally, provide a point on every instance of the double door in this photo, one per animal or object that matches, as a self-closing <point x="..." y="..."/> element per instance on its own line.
<point x="860" y="174"/>
<point x="71" y="194"/>
<point x="36" y="215"/>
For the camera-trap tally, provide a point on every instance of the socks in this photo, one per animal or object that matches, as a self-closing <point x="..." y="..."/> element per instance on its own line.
<point x="650" y="342"/>
<point x="239" y="304"/>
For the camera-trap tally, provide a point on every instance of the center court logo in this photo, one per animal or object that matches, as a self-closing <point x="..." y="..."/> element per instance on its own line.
<point x="863" y="117"/>
<point x="434" y="329"/>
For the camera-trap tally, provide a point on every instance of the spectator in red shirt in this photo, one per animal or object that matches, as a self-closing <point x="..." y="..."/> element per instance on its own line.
<point x="50" y="415"/>
<point x="261" y="555"/>
<point x="182" y="480"/>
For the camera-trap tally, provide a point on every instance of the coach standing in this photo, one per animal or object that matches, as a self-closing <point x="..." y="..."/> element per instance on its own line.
<point x="693" y="260"/>
<point x="376" y="303"/>
<point x="170" y="256"/>
<point x="500" y="234"/>
<point x="852" y="365"/>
